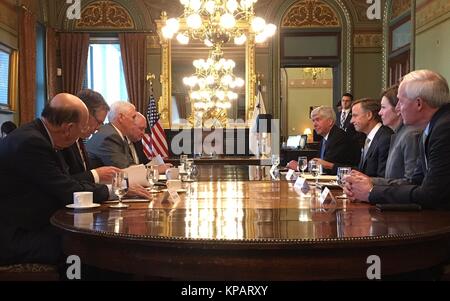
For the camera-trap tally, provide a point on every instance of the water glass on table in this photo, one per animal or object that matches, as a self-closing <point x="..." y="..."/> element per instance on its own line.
<point x="120" y="188"/>
<point x="302" y="164"/>
<point x="315" y="168"/>
<point x="183" y="159"/>
<point x="152" y="176"/>
<point x="275" y="160"/>
<point x="188" y="167"/>
<point x="342" y="173"/>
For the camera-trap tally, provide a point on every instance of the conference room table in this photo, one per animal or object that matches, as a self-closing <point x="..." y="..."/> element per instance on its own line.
<point x="241" y="223"/>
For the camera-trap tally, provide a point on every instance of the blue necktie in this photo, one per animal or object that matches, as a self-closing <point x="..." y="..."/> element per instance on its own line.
<point x="322" y="149"/>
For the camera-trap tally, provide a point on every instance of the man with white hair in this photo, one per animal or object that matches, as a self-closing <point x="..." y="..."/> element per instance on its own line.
<point x="337" y="148"/>
<point x="423" y="102"/>
<point x="109" y="145"/>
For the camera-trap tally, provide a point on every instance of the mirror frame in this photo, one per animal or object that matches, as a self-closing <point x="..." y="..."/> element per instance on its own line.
<point x="165" y="103"/>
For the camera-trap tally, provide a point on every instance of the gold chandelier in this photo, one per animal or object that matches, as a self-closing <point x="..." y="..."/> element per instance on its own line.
<point x="315" y="72"/>
<point x="212" y="84"/>
<point x="216" y="22"/>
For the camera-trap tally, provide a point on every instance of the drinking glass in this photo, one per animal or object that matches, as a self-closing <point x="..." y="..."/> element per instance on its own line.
<point x="302" y="164"/>
<point x="194" y="172"/>
<point x="275" y="160"/>
<point x="120" y="188"/>
<point x="183" y="159"/>
<point x="152" y="175"/>
<point x="315" y="169"/>
<point x="188" y="167"/>
<point x="342" y="172"/>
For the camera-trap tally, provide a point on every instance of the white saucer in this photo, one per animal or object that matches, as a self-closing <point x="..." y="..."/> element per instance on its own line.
<point x="73" y="206"/>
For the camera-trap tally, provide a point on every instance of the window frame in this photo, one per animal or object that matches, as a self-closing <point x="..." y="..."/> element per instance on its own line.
<point x="9" y="106"/>
<point x="107" y="39"/>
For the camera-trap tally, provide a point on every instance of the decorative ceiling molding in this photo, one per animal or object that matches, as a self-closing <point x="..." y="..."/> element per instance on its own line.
<point x="431" y="11"/>
<point x="368" y="40"/>
<point x="310" y="13"/>
<point x="399" y="7"/>
<point x="360" y="9"/>
<point x="105" y="15"/>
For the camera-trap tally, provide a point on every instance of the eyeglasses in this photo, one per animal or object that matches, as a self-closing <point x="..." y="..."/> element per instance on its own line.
<point x="99" y="123"/>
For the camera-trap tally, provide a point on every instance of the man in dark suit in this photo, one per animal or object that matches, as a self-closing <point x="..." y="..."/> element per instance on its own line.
<point x="35" y="181"/>
<point x="336" y="147"/>
<point x="76" y="156"/>
<point x="344" y="117"/>
<point x="136" y="147"/>
<point x="424" y="101"/>
<point x="375" y="151"/>
<point x="135" y="141"/>
<point x="109" y="145"/>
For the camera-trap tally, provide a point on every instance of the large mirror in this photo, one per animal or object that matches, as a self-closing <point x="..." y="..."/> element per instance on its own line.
<point x="176" y="62"/>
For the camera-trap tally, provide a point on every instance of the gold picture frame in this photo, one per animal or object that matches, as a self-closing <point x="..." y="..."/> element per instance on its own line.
<point x="166" y="80"/>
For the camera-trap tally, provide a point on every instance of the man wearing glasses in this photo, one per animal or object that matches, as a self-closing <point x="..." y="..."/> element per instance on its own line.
<point x="76" y="156"/>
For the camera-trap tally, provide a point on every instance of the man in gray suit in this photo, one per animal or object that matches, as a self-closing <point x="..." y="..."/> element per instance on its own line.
<point x="109" y="145"/>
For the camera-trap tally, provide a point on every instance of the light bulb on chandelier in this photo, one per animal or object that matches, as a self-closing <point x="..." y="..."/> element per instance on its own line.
<point x="212" y="84"/>
<point x="216" y="22"/>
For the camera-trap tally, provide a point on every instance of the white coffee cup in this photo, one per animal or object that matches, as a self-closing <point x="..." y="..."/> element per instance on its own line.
<point x="83" y="198"/>
<point x="172" y="173"/>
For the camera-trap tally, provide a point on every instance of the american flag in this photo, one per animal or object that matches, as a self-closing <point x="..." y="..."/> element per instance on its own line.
<point x="154" y="141"/>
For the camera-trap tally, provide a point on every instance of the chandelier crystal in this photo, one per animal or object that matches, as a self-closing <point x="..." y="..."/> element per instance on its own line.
<point x="212" y="84"/>
<point x="216" y="22"/>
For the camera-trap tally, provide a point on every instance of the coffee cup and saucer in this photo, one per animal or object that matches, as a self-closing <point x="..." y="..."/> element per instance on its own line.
<point x="83" y="200"/>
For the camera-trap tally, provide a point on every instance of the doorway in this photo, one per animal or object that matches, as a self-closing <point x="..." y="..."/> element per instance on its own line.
<point x="304" y="88"/>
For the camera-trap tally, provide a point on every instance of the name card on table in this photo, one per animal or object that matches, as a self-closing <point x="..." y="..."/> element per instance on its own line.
<point x="326" y="197"/>
<point x="302" y="184"/>
<point x="289" y="174"/>
<point x="172" y="187"/>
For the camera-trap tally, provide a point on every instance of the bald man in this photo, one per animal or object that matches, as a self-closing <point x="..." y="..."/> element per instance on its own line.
<point x="36" y="182"/>
<point x="135" y="140"/>
<point x="136" y="147"/>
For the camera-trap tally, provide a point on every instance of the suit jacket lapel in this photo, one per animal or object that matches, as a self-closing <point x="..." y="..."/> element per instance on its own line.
<point x="374" y="143"/>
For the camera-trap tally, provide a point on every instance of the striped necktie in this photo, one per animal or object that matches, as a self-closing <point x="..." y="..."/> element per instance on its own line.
<point x="83" y="153"/>
<point x="343" y="117"/>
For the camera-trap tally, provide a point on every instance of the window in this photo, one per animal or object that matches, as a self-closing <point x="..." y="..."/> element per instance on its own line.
<point x="41" y="84"/>
<point x="105" y="71"/>
<point x="399" y="49"/>
<point x="5" y="55"/>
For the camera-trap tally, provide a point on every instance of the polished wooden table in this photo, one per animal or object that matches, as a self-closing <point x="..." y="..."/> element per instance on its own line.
<point x="224" y="229"/>
<point x="225" y="160"/>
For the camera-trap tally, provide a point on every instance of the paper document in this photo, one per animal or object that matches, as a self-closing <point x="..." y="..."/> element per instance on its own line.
<point x="137" y="174"/>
